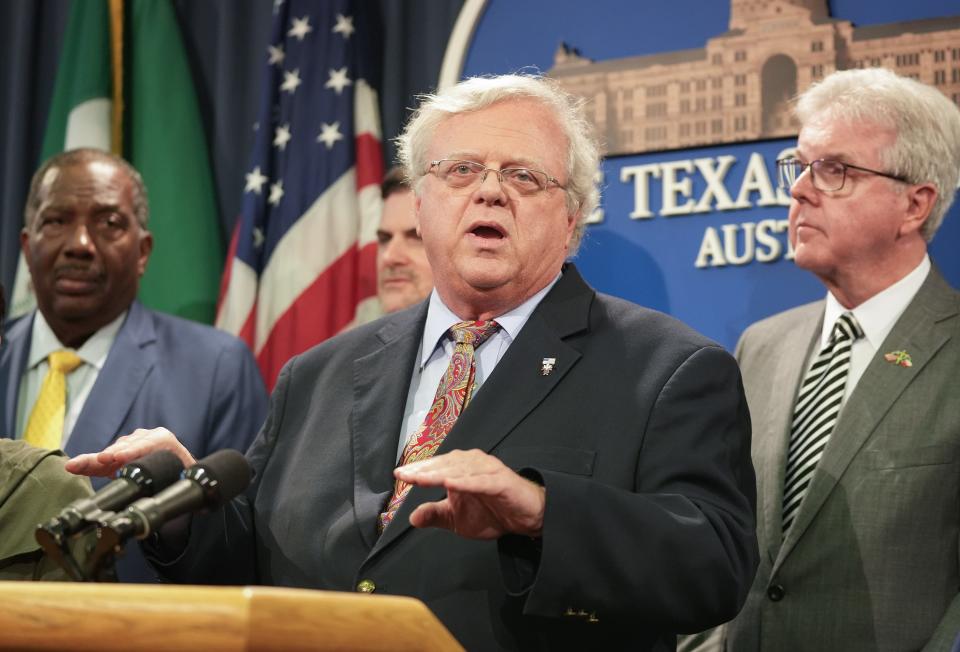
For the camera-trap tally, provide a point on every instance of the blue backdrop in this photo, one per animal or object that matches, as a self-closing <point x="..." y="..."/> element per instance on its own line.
<point x="652" y="261"/>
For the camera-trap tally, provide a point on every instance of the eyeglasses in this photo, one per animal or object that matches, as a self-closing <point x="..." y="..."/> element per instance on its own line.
<point x="469" y="174"/>
<point x="826" y="174"/>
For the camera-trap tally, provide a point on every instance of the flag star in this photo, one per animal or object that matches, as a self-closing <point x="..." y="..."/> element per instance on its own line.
<point x="282" y="136"/>
<point x="301" y="27"/>
<point x="255" y="180"/>
<point x="276" y="54"/>
<point x="290" y="81"/>
<point x="258" y="232"/>
<point x="344" y="26"/>
<point x="276" y="193"/>
<point x="338" y="80"/>
<point x="329" y="134"/>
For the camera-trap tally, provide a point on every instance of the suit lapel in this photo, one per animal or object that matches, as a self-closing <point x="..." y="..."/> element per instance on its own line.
<point x="14" y="352"/>
<point x="516" y="386"/>
<point x="131" y="358"/>
<point x="777" y="417"/>
<point x="918" y="332"/>
<point x="381" y="383"/>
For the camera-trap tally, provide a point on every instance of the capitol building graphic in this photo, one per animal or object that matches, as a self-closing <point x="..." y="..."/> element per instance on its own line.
<point x="740" y="86"/>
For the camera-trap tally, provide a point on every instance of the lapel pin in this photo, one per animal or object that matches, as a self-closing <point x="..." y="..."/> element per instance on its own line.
<point x="547" y="366"/>
<point x="899" y="358"/>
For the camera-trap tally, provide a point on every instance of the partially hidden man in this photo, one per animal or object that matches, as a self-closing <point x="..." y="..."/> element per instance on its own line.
<point x="856" y="398"/>
<point x="545" y="467"/>
<point x="92" y="363"/>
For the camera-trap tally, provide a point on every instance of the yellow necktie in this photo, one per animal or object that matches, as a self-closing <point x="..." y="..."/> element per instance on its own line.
<point x="45" y="426"/>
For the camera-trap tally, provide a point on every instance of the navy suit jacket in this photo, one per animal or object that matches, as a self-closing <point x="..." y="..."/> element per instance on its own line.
<point x="201" y="383"/>
<point x="640" y="435"/>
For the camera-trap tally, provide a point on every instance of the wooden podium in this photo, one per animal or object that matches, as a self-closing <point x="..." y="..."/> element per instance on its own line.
<point x="130" y="617"/>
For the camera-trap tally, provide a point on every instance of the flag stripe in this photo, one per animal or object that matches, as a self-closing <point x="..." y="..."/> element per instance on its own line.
<point x="88" y="125"/>
<point x="225" y="279"/>
<point x="297" y="260"/>
<point x="337" y="289"/>
<point x="369" y="162"/>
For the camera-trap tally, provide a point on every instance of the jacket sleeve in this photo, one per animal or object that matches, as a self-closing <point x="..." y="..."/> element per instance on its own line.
<point x="239" y="400"/>
<point x="220" y="547"/>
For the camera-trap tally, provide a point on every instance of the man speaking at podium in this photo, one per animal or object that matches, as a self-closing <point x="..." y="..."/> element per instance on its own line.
<point x="545" y="467"/>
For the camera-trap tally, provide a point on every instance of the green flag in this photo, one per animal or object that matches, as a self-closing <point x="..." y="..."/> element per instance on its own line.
<point x="162" y="136"/>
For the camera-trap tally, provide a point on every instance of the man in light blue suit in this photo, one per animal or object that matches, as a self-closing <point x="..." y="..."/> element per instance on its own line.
<point x="86" y="244"/>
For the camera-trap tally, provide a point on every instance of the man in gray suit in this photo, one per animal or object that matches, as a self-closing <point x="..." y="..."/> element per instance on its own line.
<point x="856" y="427"/>
<point x="594" y="493"/>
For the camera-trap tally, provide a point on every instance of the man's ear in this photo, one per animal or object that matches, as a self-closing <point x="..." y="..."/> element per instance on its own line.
<point x="573" y="219"/>
<point x="146" y="246"/>
<point x="920" y="201"/>
<point x="417" y="200"/>
<point x="25" y="244"/>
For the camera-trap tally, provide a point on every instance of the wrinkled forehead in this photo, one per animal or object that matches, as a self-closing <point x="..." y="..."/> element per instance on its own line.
<point x="98" y="179"/>
<point x="516" y="131"/>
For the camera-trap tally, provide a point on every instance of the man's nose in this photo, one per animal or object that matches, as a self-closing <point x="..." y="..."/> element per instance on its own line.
<point x="395" y="252"/>
<point x="802" y="189"/>
<point x="491" y="188"/>
<point x="79" y="240"/>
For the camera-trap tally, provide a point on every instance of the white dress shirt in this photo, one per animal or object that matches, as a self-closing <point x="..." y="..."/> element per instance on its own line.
<point x="436" y="350"/>
<point x="876" y="317"/>
<point x="80" y="381"/>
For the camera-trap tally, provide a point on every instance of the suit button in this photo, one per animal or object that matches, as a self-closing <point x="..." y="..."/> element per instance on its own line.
<point x="775" y="592"/>
<point x="366" y="586"/>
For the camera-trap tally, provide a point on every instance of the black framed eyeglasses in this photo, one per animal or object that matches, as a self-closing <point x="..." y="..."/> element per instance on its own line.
<point x="826" y="174"/>
<point x="470" y="174"/>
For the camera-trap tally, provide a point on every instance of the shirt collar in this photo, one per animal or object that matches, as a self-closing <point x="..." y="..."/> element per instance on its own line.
<point x="440" y="318"/>
<point x="93" y="352"/>
<point x="879" y="313"/>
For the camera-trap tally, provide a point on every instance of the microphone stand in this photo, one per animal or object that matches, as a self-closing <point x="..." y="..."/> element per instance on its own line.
<point x="100" y="564"/>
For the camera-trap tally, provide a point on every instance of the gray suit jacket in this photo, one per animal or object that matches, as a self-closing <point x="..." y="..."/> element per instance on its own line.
<point x="871" y="562"/>
<point x="640" y="435"/>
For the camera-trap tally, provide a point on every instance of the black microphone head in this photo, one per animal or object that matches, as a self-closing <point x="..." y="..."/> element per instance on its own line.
<point x="223" y="475"/>
<point x="153" y="472"/>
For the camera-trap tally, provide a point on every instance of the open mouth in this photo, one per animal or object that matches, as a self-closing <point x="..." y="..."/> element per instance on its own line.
<point x="488" y="232"/>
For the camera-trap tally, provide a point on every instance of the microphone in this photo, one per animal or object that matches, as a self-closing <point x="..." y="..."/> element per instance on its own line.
<point x="143" y="477"/>
<point x="213" y="481"/>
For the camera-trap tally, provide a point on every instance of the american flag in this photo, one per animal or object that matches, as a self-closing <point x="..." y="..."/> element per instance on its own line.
<point x="301" y="265"/>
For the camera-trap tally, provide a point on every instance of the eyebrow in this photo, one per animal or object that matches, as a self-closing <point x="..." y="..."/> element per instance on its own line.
<point x="510" y="162"/>
<point x="97" y="208"/>
<point x="830" y="156"/>
<point x="405" y="232"/>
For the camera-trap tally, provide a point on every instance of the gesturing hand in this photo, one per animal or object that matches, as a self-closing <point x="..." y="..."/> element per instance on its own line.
<point x="485" y="499"/>
<point x="127" y="449"/>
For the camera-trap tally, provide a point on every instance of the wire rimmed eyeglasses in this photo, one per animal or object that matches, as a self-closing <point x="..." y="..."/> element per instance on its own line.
<point x="469" y="174"/>
<point x="826" y="174"/>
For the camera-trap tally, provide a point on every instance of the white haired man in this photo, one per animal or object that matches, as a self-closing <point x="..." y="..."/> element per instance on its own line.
<point x="856" y="432"/>
<point x="543" y="466"/>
